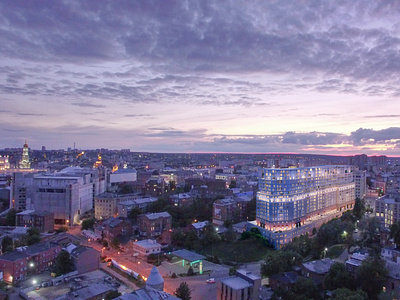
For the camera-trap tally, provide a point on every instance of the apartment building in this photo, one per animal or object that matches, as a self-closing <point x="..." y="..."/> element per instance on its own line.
<point x="44" y="221"/>
<point x="293" y="201"/>
<point x="154" y="224"/>
<point x="26" y="261"/>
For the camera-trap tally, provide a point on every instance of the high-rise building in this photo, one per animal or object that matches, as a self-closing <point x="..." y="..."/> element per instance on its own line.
<point x="24" y="163"/>
<point x="360" y="180"/>
<point x="294" y="201"/>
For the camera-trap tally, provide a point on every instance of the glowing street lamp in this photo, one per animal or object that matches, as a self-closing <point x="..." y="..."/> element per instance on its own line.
<point x="34" y="281"/>
<point x="31" y="264"/>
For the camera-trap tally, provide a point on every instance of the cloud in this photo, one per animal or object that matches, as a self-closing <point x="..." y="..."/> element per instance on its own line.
<point x="369" y="136"/>
<point x="31" y="114"/>
<point x="85" y="104"/>
<point x="313" y="138"/>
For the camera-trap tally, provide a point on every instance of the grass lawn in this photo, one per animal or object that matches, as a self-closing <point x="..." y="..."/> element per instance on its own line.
<point x="335" y="251"/>
<point x="242" y="251"/>
<point x="139" y="283"/>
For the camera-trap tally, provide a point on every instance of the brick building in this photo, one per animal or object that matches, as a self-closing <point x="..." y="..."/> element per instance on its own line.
<point x="25" y="261"/>
<point x="86" y="259"/>
<point x="153" y="225"/>
<point x="114" y="227"/>
<point x="42" y="220"/>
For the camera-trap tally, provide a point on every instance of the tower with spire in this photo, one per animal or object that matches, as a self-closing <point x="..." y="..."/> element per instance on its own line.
<point x="24" y="163"/>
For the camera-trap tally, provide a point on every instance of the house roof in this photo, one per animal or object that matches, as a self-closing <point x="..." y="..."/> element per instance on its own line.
<point x="319" y="266"/>
<point x="153" y="216"/>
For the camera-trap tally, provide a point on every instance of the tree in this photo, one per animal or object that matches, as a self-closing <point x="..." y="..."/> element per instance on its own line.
<point x="338" y="277"/>
<point x="112" y="294"/>
<point x="230" y="235"/>
<point x="346" y="294"/>
<point x="395" y="233"/>
<point x="10" y="217"/>
<point x="371" y="227"/>
<point x="88" y="224"/>
<point x="133" y="214"/>
<point x="359" y="208"/>
<point x="190" y="271"/>
<point x="63" y="263"/>
<point x="304" y="288"/>
<point x="7" y="244"/>
<point x="279" y="261"/>
<point x="62" y="229"/>
<point x="371" y="276"/>
<point x="183" y="291"/>
<point x="33" y="236"/>
<point x="115" y="243"/>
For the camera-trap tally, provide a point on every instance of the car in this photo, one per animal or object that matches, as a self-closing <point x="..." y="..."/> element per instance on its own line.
<point x="356" y="230"/>
<point x="211" y="280"/>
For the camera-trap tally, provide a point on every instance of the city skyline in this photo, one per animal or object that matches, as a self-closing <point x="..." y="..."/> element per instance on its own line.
<point x="209" y="76"/>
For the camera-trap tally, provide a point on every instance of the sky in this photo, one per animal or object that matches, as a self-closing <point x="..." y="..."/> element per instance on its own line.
<point x="318" y="77"/>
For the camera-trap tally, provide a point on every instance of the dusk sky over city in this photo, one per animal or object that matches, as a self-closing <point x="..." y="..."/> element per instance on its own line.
<point x="318" y="77"/>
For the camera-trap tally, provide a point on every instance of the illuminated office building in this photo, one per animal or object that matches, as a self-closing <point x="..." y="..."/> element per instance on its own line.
<point x="294" y="201"/>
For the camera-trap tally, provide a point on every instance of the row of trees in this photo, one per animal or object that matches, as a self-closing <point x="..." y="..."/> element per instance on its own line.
<point x="32" y="237"/>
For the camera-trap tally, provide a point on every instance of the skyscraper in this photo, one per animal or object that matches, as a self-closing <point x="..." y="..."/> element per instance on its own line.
<point x="294" y="201"/>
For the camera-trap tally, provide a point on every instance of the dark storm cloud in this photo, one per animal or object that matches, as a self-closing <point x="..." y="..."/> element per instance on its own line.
<point x="364" y="136"/>
<point x="334" y="38"/>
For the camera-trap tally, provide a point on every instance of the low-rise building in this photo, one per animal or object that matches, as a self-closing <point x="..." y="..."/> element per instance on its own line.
<point x="153" y="225"/>
<point x="317" y="269"/>
<point x="244" y="285"/>
<point x="106" y="204"/>
<point x="182" y="199"/>
<point x="86" y="259"/>
<point x="25" y="261"/>
<point x="125" y="207"/>
<point x="223" y="210"/>
<point x="114" y="227"/>
<point x="146" y="247"/>
<point x="355" y="261"/>
<point x="43" y="220"/>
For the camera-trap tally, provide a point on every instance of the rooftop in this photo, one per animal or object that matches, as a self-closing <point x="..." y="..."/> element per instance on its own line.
<point x="155" y="277"/>
<point x="25" y="252"/>
<point x="236" y="283"/>
<point x="153" y="216"/>
<point x="147" y="243"/>
<point x="188" y="255"/>
<point x="92" y="290"/>
<point x="319" y="266"/>
<point x="147" y="294"/>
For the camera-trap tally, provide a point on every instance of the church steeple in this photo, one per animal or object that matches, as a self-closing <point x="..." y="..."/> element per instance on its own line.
<point x="24" y="163"/>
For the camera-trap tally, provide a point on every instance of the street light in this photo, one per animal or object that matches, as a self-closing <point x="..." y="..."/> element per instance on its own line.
<point x="34" y="281"/>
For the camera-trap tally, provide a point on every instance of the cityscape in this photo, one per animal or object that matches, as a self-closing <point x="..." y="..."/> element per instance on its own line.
<point x="237" y="150"/>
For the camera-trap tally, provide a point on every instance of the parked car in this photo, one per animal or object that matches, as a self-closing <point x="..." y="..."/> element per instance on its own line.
<point x="211" y="280"/>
